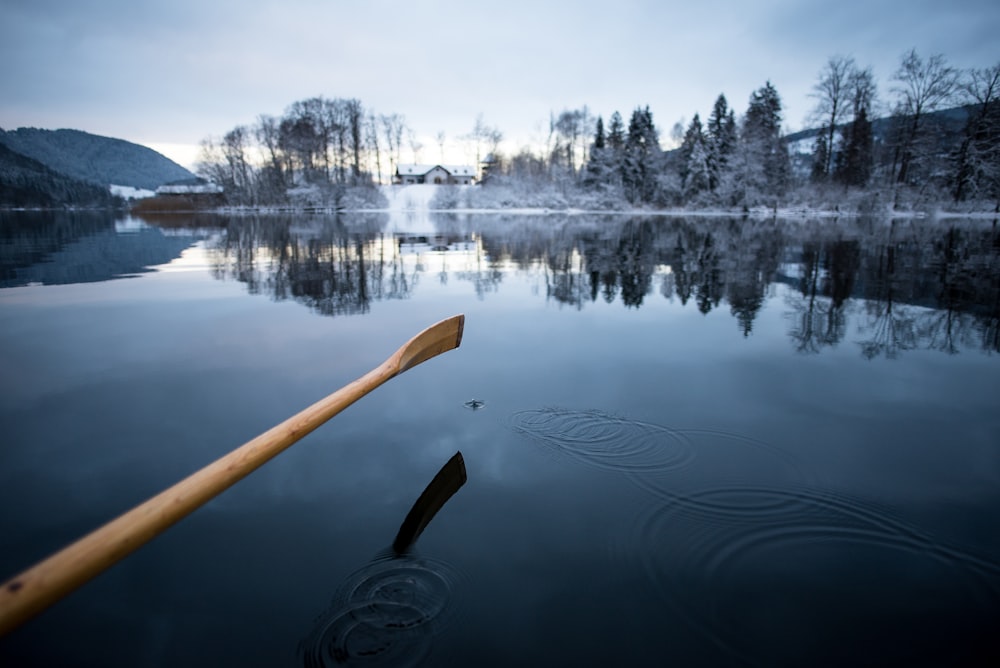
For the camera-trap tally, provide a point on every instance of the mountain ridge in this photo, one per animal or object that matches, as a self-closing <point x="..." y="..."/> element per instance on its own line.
<point x="95" y="159"/>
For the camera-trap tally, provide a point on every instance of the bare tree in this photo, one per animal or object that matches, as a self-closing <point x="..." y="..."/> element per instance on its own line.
<point x="393" y="127"/>
<point x="833" y="94"/>
<point x="354" y="120"/>
<point x="440" y="142"/>
<point x="266" y="132"/>
<point x="921" y="86"/>
<point x="374" y="146"/>
<point x="415" y="145"/>
<point x="978" y="158"/>
<point x="482" y="135"/>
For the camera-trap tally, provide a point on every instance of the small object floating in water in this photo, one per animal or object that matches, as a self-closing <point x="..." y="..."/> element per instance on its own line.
<point x="475" y="404"/>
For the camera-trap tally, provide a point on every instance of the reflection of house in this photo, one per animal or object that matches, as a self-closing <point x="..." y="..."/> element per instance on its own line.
<point x="459" y="175"/>
<point x="195" y="186"/>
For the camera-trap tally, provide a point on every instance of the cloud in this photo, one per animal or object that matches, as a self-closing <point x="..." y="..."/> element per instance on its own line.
<point x="177" y="72"/>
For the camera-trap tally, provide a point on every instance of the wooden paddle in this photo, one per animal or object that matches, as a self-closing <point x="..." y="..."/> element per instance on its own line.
<point x="46" y="582"/>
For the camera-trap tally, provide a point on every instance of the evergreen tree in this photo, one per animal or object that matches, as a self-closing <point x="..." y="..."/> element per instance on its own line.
<point x="599" y="141"/>
<point x="854" y="163"/>
<point x="721" y="135"/>
<point x="853" y="166"/>
<point x="616" y="132"/>
<point x="820" y="158"/>
<point x="640" y="157"/>
<point x="694" y="170"/>
<point x="597" y="169"/>
<point x="766" y="165"/>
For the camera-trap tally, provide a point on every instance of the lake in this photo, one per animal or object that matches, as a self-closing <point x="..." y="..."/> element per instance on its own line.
<point x="687" y="441"/>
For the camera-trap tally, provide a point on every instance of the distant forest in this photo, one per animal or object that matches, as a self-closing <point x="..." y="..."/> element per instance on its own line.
<point x="26" y="183"/>
<point x="932" y="139"/>
<point x="49" y="169"/>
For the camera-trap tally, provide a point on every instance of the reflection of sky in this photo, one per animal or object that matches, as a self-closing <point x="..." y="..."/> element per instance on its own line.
<point x="113" y="390"/>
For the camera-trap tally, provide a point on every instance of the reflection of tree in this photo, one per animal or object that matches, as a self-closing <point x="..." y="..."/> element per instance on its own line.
<point x="892" y="276"/>
<point x="635" y="266"/>
<point x="330" y="268"/>
<point x="827" y="275"/>
<point x="967" y="292"/>
<point x="906" y="284"/>
<point x="752" y="267"/>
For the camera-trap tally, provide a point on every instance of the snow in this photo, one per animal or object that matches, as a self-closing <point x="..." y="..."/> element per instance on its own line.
<point x="410" y="208"/>
<point x="128" y="192"/>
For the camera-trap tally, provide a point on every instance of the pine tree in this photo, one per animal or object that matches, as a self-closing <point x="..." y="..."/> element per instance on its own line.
<point x="640" y="157"/>
<point x="694" y="156"/>
<point x="767" y="168"/>
<point x="821" y="156"/>
<point x="721" y="135"/>
<point x="598" y="166"/>
<point x="599" y="141"/>
<point x="854" y="163"/>
<point x="616" y="132"/>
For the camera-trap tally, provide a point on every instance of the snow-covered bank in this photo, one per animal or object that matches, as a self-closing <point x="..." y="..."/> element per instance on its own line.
<point x="410" y="208"/>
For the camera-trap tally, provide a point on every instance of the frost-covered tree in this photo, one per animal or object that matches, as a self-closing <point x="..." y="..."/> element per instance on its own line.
<point x="641" y="158"/>
<point x="272" y="172"/>
<point x="616" y="133"/>
<point x="722" y="136"/>
<point x="921" y="87"/>
<point x="765" y="166"/>
<point x="694" y="157"/>
<point x="977" y="161"/>
<point x="594" y="173"/>
<point x="854" y="162"/>
<point x="821" y="157"/>
<point x="393" y="131"/>
<point x="832" y="92"/>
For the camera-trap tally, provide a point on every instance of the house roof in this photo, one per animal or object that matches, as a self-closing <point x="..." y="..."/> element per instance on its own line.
<point x="195" y="186"/>
<point x="421" y="170"/>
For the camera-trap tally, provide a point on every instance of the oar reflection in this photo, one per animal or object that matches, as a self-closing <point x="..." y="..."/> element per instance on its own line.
<point x="383" y="613"/>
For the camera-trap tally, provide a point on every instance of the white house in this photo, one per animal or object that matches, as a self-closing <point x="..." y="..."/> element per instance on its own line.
<point x="195" y="186"/>
<point x="458" y="175"/>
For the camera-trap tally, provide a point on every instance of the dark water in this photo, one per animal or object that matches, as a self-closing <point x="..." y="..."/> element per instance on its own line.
<point x="692" y="442"/>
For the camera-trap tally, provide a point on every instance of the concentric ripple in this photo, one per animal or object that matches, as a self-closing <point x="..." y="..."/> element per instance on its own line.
<point x="650" y="454"/>
<point x="752" y="566"/>
<point x="383" y="614"/>
<point x="605" y="441"/>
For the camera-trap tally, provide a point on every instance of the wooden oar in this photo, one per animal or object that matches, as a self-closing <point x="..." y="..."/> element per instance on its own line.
<point x="41" y="585"/>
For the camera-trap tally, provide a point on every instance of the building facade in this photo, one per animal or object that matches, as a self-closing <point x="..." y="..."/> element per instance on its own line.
<point x="456" y="175"/>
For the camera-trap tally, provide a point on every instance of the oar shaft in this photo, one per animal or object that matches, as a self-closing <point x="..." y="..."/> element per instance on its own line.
<point x="41" y="585"/>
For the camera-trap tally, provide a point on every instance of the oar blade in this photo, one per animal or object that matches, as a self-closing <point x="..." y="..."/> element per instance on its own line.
<point x="436" y="339"/>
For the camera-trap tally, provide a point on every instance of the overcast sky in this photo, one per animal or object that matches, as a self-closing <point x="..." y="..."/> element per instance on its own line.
<point x="169" y="74"/>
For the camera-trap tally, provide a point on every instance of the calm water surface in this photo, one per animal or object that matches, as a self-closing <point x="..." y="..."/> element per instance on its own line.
<point x="692" y="442"/>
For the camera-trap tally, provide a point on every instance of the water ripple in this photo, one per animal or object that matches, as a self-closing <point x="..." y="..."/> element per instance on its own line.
<point x="806" y="558"/>
<point x="384" y="614"/>
<point x="605" y="441"/>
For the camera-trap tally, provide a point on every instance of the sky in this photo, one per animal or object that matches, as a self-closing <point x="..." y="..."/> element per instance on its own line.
<point x="171" y="74"/>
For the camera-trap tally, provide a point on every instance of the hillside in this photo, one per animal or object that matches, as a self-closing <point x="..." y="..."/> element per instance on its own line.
<point x="99" y="160"/>
<point x="946" y="127"/>
<point x="27" y="183"/>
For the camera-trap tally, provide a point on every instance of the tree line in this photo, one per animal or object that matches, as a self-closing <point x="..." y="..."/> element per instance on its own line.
<point x="873" y="150"/>
<point x="905" y="285"/>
